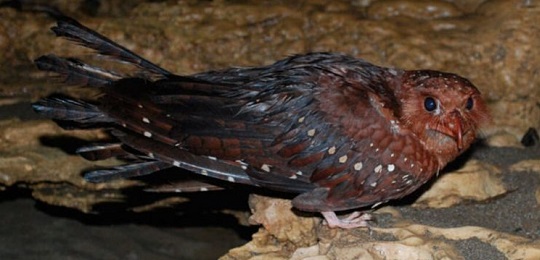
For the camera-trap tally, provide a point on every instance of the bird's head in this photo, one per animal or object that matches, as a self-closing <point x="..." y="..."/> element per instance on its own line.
<point x="444" y="110"/>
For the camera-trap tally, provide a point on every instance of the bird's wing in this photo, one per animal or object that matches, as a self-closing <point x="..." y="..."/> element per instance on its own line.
<point x="280" y="126"/>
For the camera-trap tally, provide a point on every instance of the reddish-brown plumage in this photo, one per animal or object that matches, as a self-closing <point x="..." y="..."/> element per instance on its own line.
<point x="341" y="132"/>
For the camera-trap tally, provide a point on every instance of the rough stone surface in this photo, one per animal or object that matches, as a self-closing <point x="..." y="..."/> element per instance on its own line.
<point x="526" y="166"/>
<point x="475" y="181"/>
<point x="30" y="155"/>
<point x="283" y="223"/>
<point x="403" y="240"/>
<point x="481" y="210"/>
<point x="492" y="42"/>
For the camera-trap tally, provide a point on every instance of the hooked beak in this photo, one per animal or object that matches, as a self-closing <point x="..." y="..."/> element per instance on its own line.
<point x="456" y="128"/>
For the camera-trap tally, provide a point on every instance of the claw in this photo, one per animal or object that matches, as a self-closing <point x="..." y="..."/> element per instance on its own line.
<point x="354" y="220"/>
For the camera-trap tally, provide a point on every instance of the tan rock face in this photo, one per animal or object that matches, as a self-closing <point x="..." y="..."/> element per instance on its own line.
<point x="426" y="9"/>
<point x="532" y="165"/>
<point x="402" y="241"/>
<point x="475" y="181"/>
<point x="278" y="218"/>
<point x="494" y="43"/>
<point x="30" y="155"/>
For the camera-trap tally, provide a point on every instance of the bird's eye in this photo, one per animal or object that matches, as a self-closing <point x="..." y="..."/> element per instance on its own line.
<point x="470" y="104"/>
<point x="430" y="104"/>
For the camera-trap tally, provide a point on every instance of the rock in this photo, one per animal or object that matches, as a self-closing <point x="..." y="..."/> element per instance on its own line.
<point x="426" y="9"/>
<point x="403" y="240"/>
<point x="475" y="181"/>
<point x="537" y="196"/>
<point x="500" y="57"/>
<point x="503" y="139"/>
<point x="526" y="166"/>
<point x="494" y="43"/>
<point x="30" y="154"/>
<point x="278" y="218"/>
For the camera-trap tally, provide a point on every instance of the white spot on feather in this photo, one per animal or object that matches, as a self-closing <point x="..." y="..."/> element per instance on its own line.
<point x="293" y="177"/>
<point x="343" y="159"/>
<point x="240" y="162"/>
<point x="373" y="184"/>
<point x="378" y="168"/>
<point x="265" y="167"/>
<point x="147" y="134"/>
<point x="243" y="164"/>
<point x="231" y="179"/>
<point x="358" y="166"/>
<point x="301" y="119"/>
<point x="394" y="126"/>
<point x="311" y="132"/>
<point x="332" y="150"/>
<point x="204" y="172"/>
<point x="146" y="120"/>
<point x="391" y="167"/>
<point x="299" y="173"/>
<point x="203" y="189"/>
<point x="376" y="204"/>
<point x="393" y="71"/>
<point x="212" y="158"/>
<point x="176" y="163"/>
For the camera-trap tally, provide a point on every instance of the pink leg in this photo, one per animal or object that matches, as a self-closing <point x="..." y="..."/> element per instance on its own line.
<point x="354" y="220"/>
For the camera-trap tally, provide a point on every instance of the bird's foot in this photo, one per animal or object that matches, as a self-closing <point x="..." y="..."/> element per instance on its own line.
<point x="354" y="220"/>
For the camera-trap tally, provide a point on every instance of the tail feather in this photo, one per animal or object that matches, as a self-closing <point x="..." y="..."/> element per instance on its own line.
<point x="185" y="186"/>
<point x="126" y="171"/>
<point x="141" y="117"/>
<point x="149" y="110"/>
<point x="203" y="165"/>
<point x="66" y="109"/>
<point x="74" y="31"/>
<point x="71" y="29"/>
<point x="75" y="72"/>
<point x="96" y="152"/>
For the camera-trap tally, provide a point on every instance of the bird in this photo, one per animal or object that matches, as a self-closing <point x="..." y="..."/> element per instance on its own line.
<point x="336" y="131"/>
